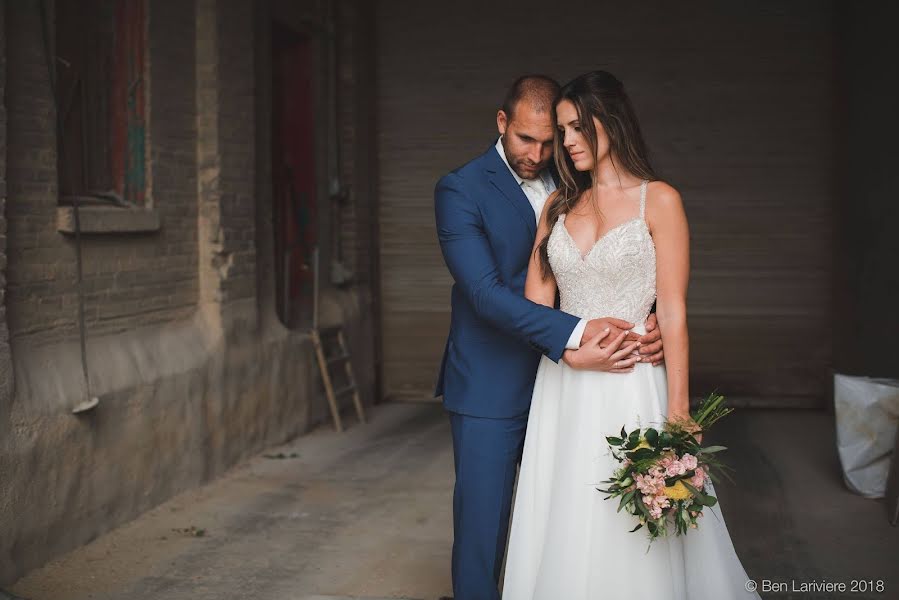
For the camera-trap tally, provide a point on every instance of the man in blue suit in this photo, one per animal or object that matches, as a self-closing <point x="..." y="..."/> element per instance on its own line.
<point x="487" y="212"/>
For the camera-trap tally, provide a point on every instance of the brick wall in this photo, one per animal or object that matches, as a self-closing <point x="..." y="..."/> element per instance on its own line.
<point x="358" y="216"/>
<point x="6" y="378"/>
<point x="346" y="106"/>
<point x="226" y="105"/>
<point x="193" y="371"/>
<point x="129" y="280"/>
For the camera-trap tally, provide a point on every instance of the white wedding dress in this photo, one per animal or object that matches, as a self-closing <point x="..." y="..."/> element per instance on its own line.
<point x="566" y="542"/>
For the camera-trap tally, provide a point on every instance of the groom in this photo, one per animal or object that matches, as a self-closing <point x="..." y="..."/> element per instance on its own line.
<point x="487" y="212"/>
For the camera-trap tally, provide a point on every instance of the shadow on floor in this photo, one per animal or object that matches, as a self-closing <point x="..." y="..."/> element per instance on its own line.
<point x="367" y="514"/>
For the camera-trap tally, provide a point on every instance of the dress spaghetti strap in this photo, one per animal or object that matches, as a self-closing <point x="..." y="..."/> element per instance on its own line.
<point x="643" y="199"/>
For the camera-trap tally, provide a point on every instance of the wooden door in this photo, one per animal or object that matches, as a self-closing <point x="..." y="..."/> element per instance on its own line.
<point x="293" y="175"/>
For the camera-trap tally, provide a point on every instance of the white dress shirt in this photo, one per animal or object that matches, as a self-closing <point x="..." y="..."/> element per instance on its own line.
<point x="537" y="191"/>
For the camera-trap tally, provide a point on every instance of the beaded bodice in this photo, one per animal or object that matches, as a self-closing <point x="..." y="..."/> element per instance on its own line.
<point x="616" y="277"/>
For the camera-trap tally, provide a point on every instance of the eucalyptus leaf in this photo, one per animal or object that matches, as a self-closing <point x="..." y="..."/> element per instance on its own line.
<point x="638" y="500"/>
<point x="700" y="496"/>
<point x="625" y="499"/>
<point x="712" y="449"/>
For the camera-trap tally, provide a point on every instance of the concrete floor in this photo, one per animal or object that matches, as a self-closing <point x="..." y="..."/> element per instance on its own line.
<point x="367" y="514"/>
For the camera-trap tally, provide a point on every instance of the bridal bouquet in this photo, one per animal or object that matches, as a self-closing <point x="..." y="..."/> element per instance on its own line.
<point x="663" y="473"/>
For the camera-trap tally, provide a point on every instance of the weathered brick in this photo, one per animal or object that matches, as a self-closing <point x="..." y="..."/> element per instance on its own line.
<point x="209" y="110"/>
<point x="39" y="251"/>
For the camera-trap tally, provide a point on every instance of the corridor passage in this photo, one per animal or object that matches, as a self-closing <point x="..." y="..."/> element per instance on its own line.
<point x="367" y="514"/>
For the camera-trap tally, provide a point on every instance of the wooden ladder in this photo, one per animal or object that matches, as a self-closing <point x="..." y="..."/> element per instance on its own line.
<point x="331" y="350"/>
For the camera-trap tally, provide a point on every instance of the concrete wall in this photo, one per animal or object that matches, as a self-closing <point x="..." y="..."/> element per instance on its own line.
<point x="192" y="367"/>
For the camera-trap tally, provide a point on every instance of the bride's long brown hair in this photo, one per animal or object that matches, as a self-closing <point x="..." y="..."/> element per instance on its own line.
<point x="595" y="94"/>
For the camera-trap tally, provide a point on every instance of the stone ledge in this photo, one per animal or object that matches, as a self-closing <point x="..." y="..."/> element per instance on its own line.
<point x="107" y="219"/>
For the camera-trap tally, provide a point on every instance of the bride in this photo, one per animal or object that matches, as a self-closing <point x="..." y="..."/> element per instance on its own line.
<point x="613" y="240"/>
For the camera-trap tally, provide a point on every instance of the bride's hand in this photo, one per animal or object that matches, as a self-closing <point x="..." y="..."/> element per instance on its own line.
<point x="617" y="357"/>
<point x="686" y="421"/>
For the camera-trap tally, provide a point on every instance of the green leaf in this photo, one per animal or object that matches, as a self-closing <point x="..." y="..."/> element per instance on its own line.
<point x="652" y="436"/>
<point x="712" y="449"/>
<point x="623" y="432"/>
<point x="674" y="479"/>
<point x="726" y="474"/>
<point x="639" y="525"/>
<point x="701" y="497"/>
<point x="614" y="441"/>
<point x="638" y="500"/>
<point x="642" y="453"/>
<point x="697" y="493"/>
<point x="625" y="499"/>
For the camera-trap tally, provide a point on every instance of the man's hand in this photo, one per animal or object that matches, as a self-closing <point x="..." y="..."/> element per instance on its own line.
<point x="617" y="357"/>
<point x="615" y="326"/>
<point x="651" y="343"/>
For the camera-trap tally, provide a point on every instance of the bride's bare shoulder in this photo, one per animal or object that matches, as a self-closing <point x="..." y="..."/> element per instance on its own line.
<point x="664" y="207"/>
<point x="663" y="195"/>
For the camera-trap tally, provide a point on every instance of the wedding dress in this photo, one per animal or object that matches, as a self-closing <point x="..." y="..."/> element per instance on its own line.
<point x="566" y="542"/>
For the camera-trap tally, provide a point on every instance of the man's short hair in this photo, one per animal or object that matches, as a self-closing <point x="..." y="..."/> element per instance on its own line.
<point x="539" y="91"/>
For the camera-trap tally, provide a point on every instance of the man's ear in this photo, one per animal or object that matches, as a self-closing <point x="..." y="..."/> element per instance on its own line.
<point x="502" y="121"/>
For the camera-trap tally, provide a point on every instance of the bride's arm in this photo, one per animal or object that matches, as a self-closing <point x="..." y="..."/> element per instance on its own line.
<point x="537" y="288"/>
<point x="670" y="233"/>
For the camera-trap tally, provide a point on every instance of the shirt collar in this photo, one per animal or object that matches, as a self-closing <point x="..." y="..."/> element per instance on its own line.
<point x="543" y="176"/>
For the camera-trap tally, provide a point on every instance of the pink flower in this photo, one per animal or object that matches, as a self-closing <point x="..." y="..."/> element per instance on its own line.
<point x="676" y="468"/>
<point x="651" y="483"/>
<point x="645" y="484"/>
<point x="689" y="461"/>
<point x="698" y="479"/>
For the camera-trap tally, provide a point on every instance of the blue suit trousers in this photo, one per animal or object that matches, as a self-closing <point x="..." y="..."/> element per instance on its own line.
<point x="486" y="452"/>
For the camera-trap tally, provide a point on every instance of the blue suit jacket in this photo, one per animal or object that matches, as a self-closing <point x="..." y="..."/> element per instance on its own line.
<point x="486" y="228"/>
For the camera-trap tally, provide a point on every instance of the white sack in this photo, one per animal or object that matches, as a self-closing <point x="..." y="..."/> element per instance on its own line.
<point x="867" y="416"/>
